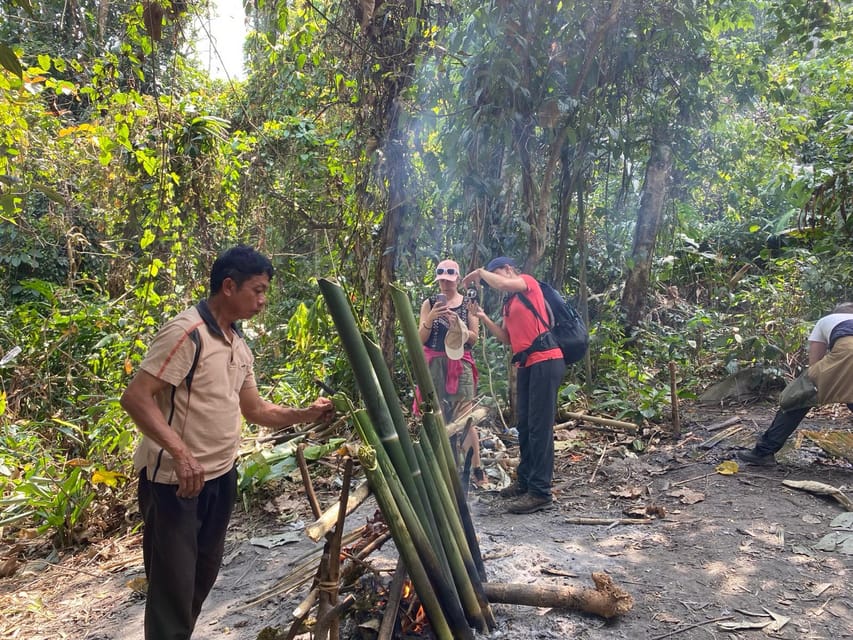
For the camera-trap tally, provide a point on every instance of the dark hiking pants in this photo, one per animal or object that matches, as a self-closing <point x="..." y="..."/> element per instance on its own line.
<point x="537" y="387"/>
<point x="783" y="425"/>
<point x="182" y="545"/>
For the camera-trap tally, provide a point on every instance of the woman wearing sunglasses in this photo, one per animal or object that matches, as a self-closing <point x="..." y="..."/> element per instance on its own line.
<point x="453" y="371"/>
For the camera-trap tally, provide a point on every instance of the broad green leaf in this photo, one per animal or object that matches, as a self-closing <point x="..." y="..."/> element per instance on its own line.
<point x="147" y="238"/>
<point x="51" y="193"/>
<point x="10" y="61"/>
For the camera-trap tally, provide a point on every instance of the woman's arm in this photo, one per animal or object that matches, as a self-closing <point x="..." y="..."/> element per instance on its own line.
<point x="494" y="328"/>
<point x="473" y="323"/>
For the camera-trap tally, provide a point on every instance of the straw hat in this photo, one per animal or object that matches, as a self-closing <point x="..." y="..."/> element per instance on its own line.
<point x="454" y="340"/>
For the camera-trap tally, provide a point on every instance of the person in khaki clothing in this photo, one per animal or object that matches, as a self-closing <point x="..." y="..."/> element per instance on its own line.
<point x="829" y="379"/>
<point x="188" y="399"/>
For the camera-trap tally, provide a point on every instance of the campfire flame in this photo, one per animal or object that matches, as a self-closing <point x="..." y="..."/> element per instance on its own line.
<point x="413" y="618"/>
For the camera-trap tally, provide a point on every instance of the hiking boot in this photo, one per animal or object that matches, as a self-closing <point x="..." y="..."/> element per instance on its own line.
<point x="751" y="457"/>
<point x="528" y="503"/>
<point x="512" y="491"/>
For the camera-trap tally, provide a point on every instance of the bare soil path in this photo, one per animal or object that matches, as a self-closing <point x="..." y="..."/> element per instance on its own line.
<point x="734" y="550"/>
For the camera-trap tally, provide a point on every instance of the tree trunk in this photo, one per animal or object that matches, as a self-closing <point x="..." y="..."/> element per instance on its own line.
<point x="397" y="167"/>
<point x="645" y="234"/>
<point x="567" y="189"/>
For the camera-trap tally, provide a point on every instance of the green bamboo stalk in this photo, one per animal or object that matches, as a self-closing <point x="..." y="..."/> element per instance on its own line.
<point x="435" y="432"/>
<point x="432" y="607"/>
<point x="441" y="584"/>
<point x="459" y="556"/>
<point x="369" y="386"/>
<point x="433" y="423"/>
<point x="379" y="397"/>
<point x="423" y="507"/>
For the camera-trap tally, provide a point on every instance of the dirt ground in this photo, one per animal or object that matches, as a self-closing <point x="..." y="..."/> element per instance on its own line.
<point x="733" y="550"/>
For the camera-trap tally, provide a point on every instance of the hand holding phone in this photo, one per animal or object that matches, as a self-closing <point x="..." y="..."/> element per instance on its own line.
<point x="441" y="299"/>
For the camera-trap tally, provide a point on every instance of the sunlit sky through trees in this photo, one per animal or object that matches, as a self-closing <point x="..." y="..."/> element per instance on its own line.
<point x="220" y="39"/>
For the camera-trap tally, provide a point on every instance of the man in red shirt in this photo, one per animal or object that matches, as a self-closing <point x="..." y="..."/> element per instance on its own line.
<point x="540" y="372"/>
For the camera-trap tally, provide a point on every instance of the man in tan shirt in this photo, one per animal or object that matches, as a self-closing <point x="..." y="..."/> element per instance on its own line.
<point x="188" y="399"/>
<point x="828" y="380"/>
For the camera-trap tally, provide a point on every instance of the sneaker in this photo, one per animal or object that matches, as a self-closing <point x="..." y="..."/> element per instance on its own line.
<point x="528" y="503"/>
<point x="750" y="457"/>
<point x="512" y="491"/>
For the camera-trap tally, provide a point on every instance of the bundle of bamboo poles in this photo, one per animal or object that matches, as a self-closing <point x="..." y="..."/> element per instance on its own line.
<point x="415" y="481"/>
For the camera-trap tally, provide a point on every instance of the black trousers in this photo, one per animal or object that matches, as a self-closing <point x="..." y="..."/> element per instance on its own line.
<point x="537" y="387"/>
<point x="182" y="546"/>
<point x="783" y="425"/>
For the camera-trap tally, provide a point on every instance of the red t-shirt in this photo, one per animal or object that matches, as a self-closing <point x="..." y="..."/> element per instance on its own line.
<point x="523" y="327"/>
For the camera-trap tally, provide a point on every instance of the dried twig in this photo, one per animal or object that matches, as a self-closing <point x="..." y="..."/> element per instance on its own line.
<point x="395" y="595"/>
<point x="717" y="439"/>
<point x="609" y="521"/>
<point x="306" y="481"/>
<point x="617" y="424"/>
<point x="598" y="464"/>
<point x="692" y="626"/>
<point x="725" y="423"/>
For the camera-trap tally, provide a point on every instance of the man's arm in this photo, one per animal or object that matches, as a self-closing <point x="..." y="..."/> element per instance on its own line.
<point x="817" y="350"/>
<point x="138" y="401"/>
<point x="268" y="414"/>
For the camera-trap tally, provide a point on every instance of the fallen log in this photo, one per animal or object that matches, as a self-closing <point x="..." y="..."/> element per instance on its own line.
<point x="606" y="600"/>
<point x="616" y="424"/>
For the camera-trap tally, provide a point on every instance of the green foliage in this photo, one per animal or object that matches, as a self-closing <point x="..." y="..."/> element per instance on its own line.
<point x="123" y="172"/>
<point x="273" y="464"/>
<point x="61" y="405"/>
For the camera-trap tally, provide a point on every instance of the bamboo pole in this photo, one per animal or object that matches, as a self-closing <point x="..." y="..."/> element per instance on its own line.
<point x="306" y="481"/>
<point x="413" y="467"/>
<point x="440" y="577"/>
<point x="328" y="626"/>
<point x="322" y="525"/>
<point x="393" y="440"/>
<point x="436" y="611"/>
<point x="433" y="423"/>
<point x="465" y="573"/>
<point x="392" y="603"/>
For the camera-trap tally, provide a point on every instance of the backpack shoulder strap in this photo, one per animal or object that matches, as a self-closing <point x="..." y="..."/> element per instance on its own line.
<point x="530" y="306"/>
<point x="195" y="336"/>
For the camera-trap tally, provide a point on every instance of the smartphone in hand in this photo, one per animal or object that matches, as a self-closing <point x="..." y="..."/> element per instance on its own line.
<point x="441" y="299"/>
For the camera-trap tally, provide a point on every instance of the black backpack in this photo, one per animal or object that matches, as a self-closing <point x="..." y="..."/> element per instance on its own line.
<point x="565" y="324"/>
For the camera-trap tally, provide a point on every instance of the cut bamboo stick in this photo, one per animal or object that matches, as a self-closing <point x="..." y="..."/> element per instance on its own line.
<point x="322" y="525"/>
<point x="616" y="424"/>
